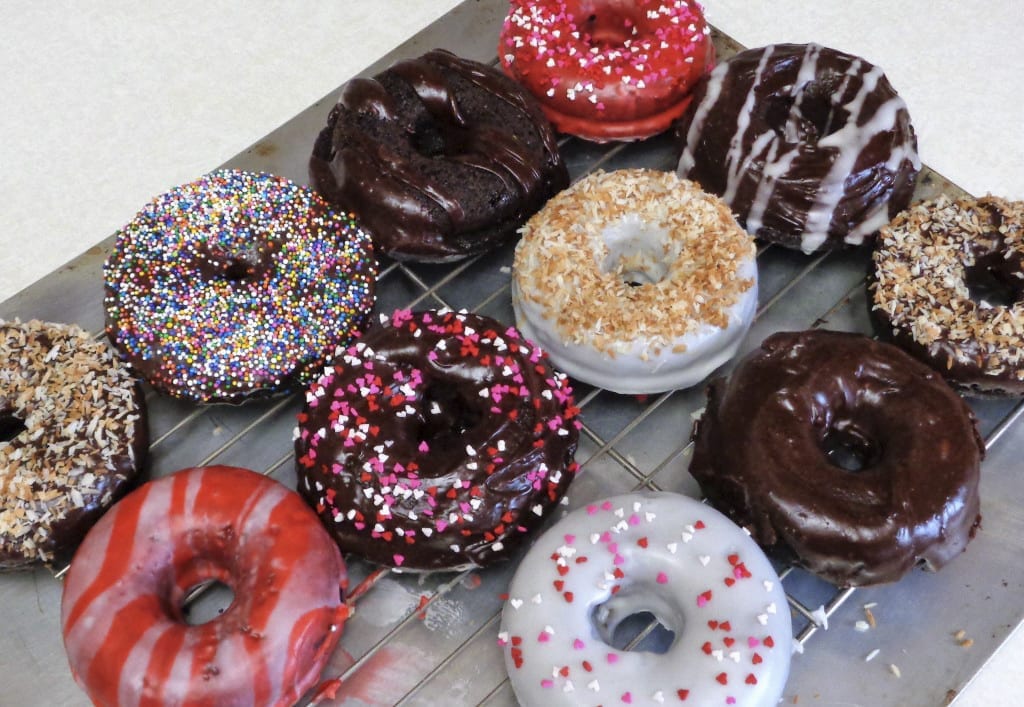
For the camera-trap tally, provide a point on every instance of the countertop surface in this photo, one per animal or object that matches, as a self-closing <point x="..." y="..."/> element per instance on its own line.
<point x="106" y="104"/>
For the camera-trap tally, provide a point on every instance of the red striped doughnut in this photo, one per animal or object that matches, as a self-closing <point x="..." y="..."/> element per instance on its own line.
<point x="124" y="630"/>
<point x="607" y="69"/>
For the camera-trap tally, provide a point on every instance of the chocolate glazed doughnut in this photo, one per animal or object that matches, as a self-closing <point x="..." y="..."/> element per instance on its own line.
<point x="811" y="147"/>
<point x="845" y="452"/>
<point x="437" y="441"/>
<point x="440" y="156"/>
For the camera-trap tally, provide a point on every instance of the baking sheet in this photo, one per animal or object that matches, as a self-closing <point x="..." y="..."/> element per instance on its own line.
<point x="432" y="639"/>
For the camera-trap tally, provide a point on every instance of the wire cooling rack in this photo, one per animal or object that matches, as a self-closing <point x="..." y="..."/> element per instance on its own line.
<point x="432" y="639"/>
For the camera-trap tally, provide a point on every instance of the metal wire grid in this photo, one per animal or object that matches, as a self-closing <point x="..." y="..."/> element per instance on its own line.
<point x="612" y="424"/>
<point x="615" y="450"/>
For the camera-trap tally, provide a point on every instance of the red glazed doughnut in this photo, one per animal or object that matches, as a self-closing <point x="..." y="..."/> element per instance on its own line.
<point x="124" y="629"/>
<point x="607" y="69"/>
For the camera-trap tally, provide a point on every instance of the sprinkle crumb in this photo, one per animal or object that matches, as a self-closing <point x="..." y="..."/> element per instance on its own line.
<point x="871" y="656"/>
<point x="959" y="635"/>
<point x="870" y="617"/>
<point x="862" y="626"/>
<point x="967" y="643"/>
<point x="895" y="670"/>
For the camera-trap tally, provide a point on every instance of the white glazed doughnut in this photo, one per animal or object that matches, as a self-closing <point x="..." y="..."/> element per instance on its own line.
<point x="635" y="281"/>
<point x="700" y="575"/>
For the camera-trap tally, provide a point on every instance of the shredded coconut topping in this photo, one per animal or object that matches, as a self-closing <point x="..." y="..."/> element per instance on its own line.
<point x="921" y="267"/>
<point x="573" y="263"/>
<point x="78" y="408"/>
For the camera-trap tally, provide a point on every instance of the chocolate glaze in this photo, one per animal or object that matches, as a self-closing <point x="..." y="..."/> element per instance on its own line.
<point x="762" y="456"/>
<point x="440" y="156"/>
<point x="436" y="442"/>
<point x="811" y="147"/>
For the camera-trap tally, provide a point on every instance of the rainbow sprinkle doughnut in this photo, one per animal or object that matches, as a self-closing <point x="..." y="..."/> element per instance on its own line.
<point x="236" y="286"/>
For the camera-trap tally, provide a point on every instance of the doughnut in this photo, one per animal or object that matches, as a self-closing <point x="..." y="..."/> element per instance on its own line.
<point x="635" y="281"/>
<point x="810" y="147"/>
<point x="843" y="454"/>
<point x="665" y="556"/>
<point x="437" y="441"/>
<point x="125" y="632"/>
<point x="73" y="439"/>
<point x="236" y="286"/>
<point x="948" y="281"/>
<point x="441" y="157"/>
<point x="607" y="69"/>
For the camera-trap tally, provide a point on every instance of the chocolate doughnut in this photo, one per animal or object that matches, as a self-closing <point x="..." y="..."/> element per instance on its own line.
<point x="441" y="157"/>
<point x="844" y="452"/>
<point x="437" y="441"/>
<point x="236" y="286"/>
<point x="73" y="439"/>
<point x="947" y="285"/>
<point x="811" y="147"/>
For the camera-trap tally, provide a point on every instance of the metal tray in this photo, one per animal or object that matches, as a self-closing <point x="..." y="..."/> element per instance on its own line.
<point x="432" y="639"/>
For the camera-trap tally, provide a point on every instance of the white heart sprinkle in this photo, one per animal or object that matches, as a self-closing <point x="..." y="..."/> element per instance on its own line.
<point x="672" y="547"/>
<point x="704" y="559"/>
<point x="516" y="603"/>
<point x="593" y="685"/>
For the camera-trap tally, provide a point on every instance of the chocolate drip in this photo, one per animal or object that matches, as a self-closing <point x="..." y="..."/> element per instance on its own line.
<point x="441" y="156"/>
<point x="812" y="148"/>
<point x="844" y="452"/>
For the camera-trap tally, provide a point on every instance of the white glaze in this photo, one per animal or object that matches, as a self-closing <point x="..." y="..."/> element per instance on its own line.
<point x="660" y="350"/>
<point x="684" y="562"/>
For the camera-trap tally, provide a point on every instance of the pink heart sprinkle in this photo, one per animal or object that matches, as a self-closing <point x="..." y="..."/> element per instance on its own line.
<point x="607" y="505"/>
<point x="612" y="658"/>
<point x="662" y="578"/>
<point x="547" y="682"/>
<point x="702" y="600"/>
<point x="591" y="509"/>
<point x="730" y="700"/>
<point x="578" y="644"/>
<point x="619" y="559"/>
<point x="753" y="642"/>
<point x="570" y="539"/>
<point x="399" y="559"/>
<point x="634" y="519"/>
<point x="613" y="547"/>
<point x="627" y="698"/>
<point x="543" y="637"/>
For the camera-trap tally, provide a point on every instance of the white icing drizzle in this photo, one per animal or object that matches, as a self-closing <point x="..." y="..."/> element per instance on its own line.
<point x="779" y="151"/>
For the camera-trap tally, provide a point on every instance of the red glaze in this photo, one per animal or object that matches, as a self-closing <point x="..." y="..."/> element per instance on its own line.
<point x="607" y="69"/>
<point x="124" y="631"/>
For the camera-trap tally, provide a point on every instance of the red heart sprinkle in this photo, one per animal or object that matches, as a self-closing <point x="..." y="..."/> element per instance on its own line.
<point x="768" y="642"/>
<point x="722" y="678"/>
<point x="642" y="542"/>
<point x="683" y="694"/>
<point x="706" y="647"/>
<point x="756" y="660"/>
<point x="751" y="680"/>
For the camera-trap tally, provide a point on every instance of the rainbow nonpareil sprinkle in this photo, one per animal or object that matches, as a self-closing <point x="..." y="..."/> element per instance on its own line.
<point x="236" y="285"/>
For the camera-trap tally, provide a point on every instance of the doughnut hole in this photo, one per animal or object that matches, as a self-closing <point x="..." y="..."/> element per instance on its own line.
<point x="609" y="27"/>
<point x="990" y="283"/>
<point x="809" y="114"/>
<point x="206" y="602"/>
<point x="10" y="427"/>
<point x="637" y="251"/>
<point x="850" y="447"/>
<point x="203" y="590"/>
<point x="428" y="140"/>
<point x="447" y="417"/>
<point x="638" y="618"/>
